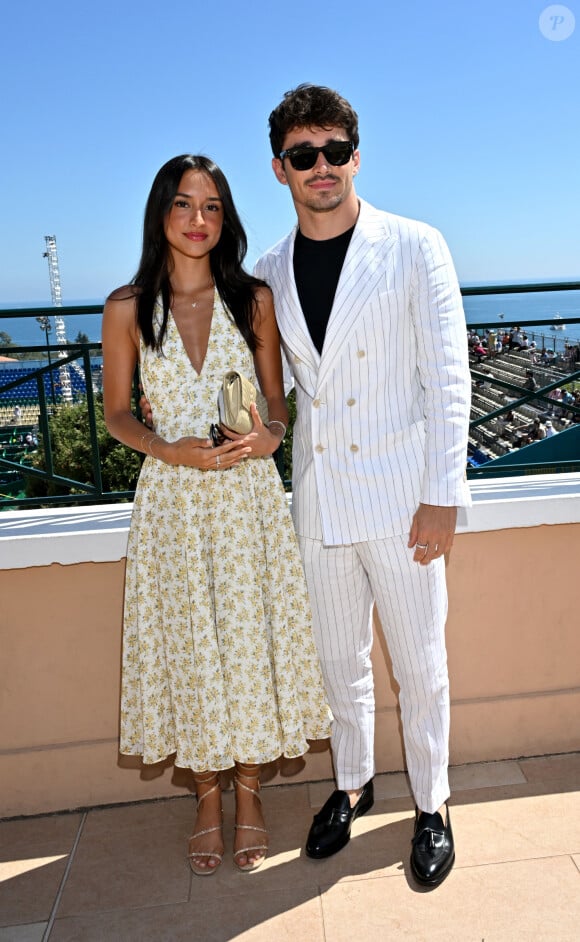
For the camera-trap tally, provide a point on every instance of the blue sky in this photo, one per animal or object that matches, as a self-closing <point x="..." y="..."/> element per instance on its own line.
<point x="469" y="119"/>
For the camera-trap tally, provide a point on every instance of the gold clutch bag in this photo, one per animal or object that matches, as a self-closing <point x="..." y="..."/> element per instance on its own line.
<point x="234" y="400"/>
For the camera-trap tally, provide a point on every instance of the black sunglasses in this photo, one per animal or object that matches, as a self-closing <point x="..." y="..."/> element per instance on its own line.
<point x="303" y="157"/>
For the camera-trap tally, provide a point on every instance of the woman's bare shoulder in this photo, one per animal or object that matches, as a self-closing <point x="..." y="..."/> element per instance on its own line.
<point x="125" y="293"/>
<point x="120" y="310"/>
<point x="263" y="294"/>
<point x="264" y="301"/>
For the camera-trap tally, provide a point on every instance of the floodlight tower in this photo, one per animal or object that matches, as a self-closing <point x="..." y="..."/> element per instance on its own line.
<point x="54" y="275"/>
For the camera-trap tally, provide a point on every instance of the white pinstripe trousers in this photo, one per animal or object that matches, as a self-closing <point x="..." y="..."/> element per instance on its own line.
<point x="411" y="601"/>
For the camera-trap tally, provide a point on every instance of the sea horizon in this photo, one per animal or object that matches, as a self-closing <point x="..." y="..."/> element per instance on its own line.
<point x="524" y="310"/>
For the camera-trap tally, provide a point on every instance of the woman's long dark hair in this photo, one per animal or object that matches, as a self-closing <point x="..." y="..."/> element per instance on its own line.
<point x="235" y="286"/>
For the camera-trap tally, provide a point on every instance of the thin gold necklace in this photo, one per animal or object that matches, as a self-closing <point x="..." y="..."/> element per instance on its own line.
<point x="210" y="285"/>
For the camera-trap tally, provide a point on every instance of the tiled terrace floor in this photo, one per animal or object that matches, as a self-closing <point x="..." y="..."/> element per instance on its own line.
<point x="120" y="874"/>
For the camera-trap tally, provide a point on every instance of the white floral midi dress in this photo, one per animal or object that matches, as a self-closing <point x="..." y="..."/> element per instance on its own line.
<point x="219" y="661"/>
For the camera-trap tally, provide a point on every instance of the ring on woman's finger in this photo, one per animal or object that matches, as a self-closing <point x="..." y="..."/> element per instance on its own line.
<point x="217" y="461"/>
<point x="423" y="546"/>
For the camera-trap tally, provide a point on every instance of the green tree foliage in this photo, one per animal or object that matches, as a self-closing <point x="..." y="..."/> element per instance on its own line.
<point x="82" y="337"/>
<point x="72" y="458"/>
<point x="6" y="339"/>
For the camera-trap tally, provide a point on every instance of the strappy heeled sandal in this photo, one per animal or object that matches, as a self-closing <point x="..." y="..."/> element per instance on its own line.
<point x="205" y="871"/>
<point x="244" y="851"/>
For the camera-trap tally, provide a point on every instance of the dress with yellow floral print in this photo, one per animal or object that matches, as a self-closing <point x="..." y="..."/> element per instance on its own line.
<point x="219" y="661"/>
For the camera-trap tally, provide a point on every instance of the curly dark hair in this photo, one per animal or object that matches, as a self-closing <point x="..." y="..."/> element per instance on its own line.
<point x="235" y="286"/>
<point x="311" y="106"/>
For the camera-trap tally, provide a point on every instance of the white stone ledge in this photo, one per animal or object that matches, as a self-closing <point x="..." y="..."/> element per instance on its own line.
<point x="529" y="501"/>
<point x="98" y="533"/>
<point x="67" y="535"/>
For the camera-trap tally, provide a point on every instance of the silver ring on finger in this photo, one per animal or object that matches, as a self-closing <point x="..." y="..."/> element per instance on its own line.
<point x="423" y="546"/>
<point x="217" y="461"/>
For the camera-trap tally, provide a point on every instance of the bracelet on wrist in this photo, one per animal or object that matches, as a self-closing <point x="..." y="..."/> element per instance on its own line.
<point x="281" y="424"/>
<point x="147" y="445"/>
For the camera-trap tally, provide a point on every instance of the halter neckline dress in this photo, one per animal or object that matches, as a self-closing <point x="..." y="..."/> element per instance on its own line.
<point x="219" y="661"/>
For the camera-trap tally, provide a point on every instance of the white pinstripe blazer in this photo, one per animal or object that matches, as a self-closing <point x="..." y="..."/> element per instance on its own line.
<point x="382" y="414"/>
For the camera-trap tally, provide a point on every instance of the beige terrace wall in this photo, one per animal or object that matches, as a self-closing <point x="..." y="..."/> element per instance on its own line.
<point x="514" y="654"/>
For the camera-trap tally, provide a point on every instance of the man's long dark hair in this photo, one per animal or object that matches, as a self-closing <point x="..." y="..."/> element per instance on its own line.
<point x="235" y="286"/>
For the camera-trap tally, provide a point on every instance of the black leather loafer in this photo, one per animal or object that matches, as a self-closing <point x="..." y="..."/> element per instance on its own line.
<point x="330" y="830"/>
<point x="433" y="853"/>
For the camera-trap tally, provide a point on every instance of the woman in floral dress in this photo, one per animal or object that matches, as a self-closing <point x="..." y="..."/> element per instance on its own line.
<point x="219" y="663"/>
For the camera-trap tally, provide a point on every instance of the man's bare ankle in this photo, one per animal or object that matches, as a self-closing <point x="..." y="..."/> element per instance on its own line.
<point x="353" y="795"/>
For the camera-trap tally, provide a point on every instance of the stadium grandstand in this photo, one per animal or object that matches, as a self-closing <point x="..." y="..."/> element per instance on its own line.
<point x="505" y="424"/>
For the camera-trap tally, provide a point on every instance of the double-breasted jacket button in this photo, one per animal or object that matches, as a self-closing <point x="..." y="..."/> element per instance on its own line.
<point x="350" y="402"/>
<point x="319" y="449"/>
<point x="354" y="448"/>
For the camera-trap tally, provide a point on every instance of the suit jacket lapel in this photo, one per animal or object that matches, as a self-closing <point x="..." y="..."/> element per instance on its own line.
<point x="289" y="315"/>
<point x="361" y="273"/>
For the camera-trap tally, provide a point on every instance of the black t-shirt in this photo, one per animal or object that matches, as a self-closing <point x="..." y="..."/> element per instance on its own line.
<point x="317" y="267"/>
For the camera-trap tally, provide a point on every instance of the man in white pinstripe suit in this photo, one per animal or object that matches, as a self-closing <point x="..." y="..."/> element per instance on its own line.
<point x="373" y="329"/>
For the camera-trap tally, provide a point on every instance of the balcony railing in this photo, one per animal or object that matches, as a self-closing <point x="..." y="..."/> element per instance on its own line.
<point x="73" y="375"/>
